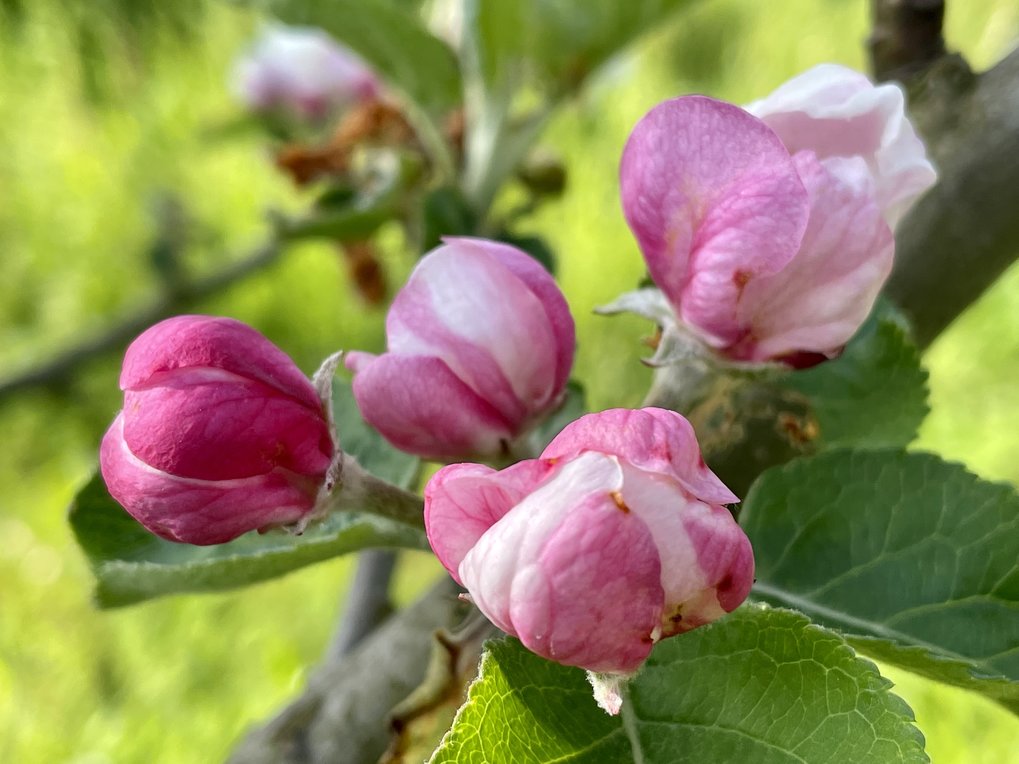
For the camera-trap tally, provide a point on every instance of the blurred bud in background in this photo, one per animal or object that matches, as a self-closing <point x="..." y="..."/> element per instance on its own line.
<point x="303" y="74"/>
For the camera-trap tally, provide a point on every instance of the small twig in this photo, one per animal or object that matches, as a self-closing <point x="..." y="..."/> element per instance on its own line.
<point x="367" y="602"/>
<point x="60" y="368"/>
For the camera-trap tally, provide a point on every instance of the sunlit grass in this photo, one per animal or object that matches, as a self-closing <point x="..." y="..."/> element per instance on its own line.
<point x="177" y="680"/>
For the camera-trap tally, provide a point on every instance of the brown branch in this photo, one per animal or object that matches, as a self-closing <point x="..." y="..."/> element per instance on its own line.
<point x="964" y="233"/>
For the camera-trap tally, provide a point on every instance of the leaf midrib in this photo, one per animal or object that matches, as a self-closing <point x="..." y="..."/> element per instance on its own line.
<point x="869" y="627"/>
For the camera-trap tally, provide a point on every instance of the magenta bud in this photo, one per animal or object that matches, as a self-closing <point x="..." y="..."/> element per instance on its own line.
<point x="302" y="72"/>
<point x="614" y="539"/>
<point x="220" y="434"/>
<point x="480" y="346"/>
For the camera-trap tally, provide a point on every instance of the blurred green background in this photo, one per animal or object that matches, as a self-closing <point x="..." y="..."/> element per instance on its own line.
<point x="107" y="108"/>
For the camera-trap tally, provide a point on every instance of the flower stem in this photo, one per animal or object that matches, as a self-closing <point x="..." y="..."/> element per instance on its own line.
<point x="360" y="491"/>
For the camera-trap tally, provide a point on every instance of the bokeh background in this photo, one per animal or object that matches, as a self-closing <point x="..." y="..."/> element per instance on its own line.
<point x="112" y="110"/>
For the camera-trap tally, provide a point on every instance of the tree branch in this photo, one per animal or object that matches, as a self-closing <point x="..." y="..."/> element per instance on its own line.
<point x="343" y="717"/>
<point x="964" y="233"/>
<point x="367" y="603"/>
<point x="61" y="367"/>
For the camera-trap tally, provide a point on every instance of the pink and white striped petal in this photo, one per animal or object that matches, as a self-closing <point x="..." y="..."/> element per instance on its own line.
<point x="462" y="501"/>
<point x="652" y="439"/>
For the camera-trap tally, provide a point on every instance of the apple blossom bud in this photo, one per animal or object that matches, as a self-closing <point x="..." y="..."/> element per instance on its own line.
<point x="765" y="256"/>
<point x="220" y="433"/>
<point x="835" y="111"/>
<point x="480" y="346"/>
<point x="301" y="72"/>
<point x="615" y="538"/>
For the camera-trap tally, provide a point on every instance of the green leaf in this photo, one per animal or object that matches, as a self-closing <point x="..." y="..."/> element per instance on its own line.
<point x="535" y="246"/>
<point x="363" y="441"/>
<point x="562" y="41"/>
<point x="573" y="407"/>
<point x="132" y="565"/>
<point x="445" y="213"/>
<point x="874" y="394"/>
<point x="550" y="45"/>
<point x="914" y="557"/>
<point x="389" y="38"/>
<point x="759" y="686"/>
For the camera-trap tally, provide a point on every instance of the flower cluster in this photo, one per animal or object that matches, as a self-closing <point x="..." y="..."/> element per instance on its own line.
<point x="768" y="231"/>
<point x="769" y="235"/>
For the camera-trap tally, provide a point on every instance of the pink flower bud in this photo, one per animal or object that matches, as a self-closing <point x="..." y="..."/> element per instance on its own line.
<point x="220" y="433"/>
<point x="837" y="112"/>
<point x="480" y="347"/>
<point x="613" y="539"/>
<point x="302" y="72"/>
<point x="764" y="255"/>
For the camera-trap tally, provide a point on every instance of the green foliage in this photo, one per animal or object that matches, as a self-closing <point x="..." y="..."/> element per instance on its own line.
<point x="445" y="212"/>
<point x="363" y="441"/>
<point x="760" y="685"/>
<point x="914" y="556"/>
<point x="551" y="47"/>
<point x="562" y="41"/>
<point x="132" y="565"/>
<point x="573" y="407"/>
<point x="874" y="394"/>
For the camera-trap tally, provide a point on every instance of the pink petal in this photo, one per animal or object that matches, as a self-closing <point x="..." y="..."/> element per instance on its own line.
<point x="466" y="307"/>
<point x="198" y="511"/>
<point x="837" y="112"/>
<point x="817" y="302"/>
<point x="726" y="559"/>
<point x="653" y="439"/>
<point x="217" y="343"/>
<point x="570" y="573"/>
<point x="664" y="507"/>
<point x="212" y="425"/>
<point x="714" y="201"/>
<point x="356" y="360"/>
<point x="541" y="283"/>
<point x="423" y="408"/>
<point x="462" y="501"/>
